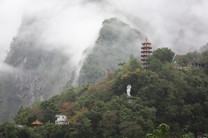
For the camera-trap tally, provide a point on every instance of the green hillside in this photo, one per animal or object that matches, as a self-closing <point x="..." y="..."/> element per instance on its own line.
<point x="166" y="93"/>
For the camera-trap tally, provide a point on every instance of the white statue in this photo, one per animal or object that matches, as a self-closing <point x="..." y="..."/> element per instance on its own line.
<point x="128" y="90"/>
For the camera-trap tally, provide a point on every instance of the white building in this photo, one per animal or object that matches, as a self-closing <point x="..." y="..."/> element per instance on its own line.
<point x="61" y="120"/>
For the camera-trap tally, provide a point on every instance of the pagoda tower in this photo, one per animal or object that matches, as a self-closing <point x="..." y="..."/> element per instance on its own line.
<point x="145" y="52"/>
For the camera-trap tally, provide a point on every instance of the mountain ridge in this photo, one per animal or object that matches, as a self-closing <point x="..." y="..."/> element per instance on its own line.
<point x="46" y="72"/>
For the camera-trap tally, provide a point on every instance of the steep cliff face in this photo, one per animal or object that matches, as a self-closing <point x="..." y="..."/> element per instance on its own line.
<point x="116" y="42"/>
<point x="39" y="72"/>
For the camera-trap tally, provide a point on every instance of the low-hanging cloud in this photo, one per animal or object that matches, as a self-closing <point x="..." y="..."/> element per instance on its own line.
<point x="180" y="25"/>
<point x="74" y="25"/>
<point x="67" y="29"/>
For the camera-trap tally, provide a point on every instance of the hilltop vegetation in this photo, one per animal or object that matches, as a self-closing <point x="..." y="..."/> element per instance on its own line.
<point x="166" y="93"/>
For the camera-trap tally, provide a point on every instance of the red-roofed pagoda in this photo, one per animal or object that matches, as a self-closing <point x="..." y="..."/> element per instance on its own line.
<point x="145" y="52"/>
<point x="37" y="123"/>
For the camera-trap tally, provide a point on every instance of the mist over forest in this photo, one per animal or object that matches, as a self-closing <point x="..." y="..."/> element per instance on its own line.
<point x="51" y="46"/>
<point x="178" y="25"/>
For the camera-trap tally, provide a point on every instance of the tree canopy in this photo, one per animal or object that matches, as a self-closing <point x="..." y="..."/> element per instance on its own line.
<point x="166" y="95"/>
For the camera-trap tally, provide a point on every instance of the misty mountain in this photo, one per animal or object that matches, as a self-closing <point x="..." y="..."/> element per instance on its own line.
<point x="204" y="48"/>
<point x="117" y="41"/>
<point x="41" y="72"/>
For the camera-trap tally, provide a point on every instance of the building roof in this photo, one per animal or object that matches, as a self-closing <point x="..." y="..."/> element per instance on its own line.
<point x="37" y="122"/>
<point x="146" y="42"/>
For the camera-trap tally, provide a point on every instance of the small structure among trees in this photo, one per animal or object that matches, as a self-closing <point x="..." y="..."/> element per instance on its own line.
<point x="37" y="123"/>
<point x="145" y="52"/>
<point x="61" y="120"/>
<point x="198" y="65"/>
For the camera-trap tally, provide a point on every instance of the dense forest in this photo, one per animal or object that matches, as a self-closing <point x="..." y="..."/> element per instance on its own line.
<point x="170" y="99"/>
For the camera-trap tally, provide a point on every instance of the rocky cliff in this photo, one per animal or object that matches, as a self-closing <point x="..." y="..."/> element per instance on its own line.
<point x="40" y="73"/>
<point x="117" y="41"/>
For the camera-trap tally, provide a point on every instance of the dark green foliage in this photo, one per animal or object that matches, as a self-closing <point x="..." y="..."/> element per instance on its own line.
<point x="164" y="94"/>
<point x="160" y="132"/>
<point x="185" y="60"/>
<point x="128" y="74"/>
<point x="12" y="130"/>
<point x="159" y="58"/>
<point x="9" y="130"/>
<point x="23" y="117"/>
<point x="194" y="57"/>
<point x="54" y="131"/>
<point x="204" y="59"/>
<point x="163" y="54"/>
<point x="49" y="109"/>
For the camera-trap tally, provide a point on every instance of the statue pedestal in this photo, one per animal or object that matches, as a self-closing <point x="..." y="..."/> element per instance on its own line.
<point x="131" y="99"/>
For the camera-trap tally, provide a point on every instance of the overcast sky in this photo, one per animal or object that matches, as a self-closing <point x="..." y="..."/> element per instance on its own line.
<point x="178" y="24"/>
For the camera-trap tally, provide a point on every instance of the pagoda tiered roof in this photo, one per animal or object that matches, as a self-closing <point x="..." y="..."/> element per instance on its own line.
<point x="145" y="54"/>
<point x="146" y="42"/>
<point x="146" y="47"/>
<point x="146" y="51"/>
